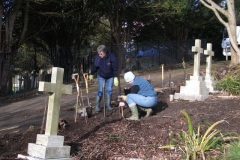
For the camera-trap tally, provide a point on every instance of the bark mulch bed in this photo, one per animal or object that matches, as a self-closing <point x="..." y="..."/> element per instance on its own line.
<point x="113" y="137"/>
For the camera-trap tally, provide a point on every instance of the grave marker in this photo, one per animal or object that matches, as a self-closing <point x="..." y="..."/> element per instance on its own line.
<point x="210" y="83"/>
<point x="195" y="88"/>
<point x="56" y="88"/>
<point x="50" y="145"/>
<point x="209" y="53"/>
<point x="197" y="50"/>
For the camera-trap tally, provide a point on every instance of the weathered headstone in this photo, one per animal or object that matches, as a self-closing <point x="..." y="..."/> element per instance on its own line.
<point x="209" y="79"/>
<point x="195" y="88"/>
<point x="197" y="50"/>
<point x="50" y="145"/>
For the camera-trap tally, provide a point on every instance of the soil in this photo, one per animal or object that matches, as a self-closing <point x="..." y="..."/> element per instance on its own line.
<point x="113" y="137"/>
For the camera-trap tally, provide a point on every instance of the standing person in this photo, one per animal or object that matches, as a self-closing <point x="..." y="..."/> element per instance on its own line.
<point x="106" y="66"/>
<point x="142" y="94"/>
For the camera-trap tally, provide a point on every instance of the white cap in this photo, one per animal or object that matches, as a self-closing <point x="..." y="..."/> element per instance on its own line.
<point x="129" y="76"/>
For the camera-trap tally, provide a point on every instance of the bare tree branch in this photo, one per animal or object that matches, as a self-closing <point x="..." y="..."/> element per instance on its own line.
<point x="230" y="24"/>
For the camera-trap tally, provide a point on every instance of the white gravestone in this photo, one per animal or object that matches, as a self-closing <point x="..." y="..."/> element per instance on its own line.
<point x="50" y="145"/>
<point x="209" y="79"/>
<point x="195" y="88"/>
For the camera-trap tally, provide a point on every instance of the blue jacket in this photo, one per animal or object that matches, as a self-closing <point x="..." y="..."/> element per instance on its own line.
<point x="106" y="67"/>
<point x="145" y="88"/>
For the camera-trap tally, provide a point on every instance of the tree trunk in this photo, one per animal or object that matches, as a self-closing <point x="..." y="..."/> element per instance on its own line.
<point x="6" y="53"/>
<point x="5" y="59"/>
<point x="235" y="52"/>
<point x="230" y="24"/>
<point x="117" y="32"/>
<point x="120" y="64"/>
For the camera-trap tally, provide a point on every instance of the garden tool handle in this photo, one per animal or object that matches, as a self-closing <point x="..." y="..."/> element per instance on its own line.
<point x="85" y="76"/>
<point x="76" y="81"/>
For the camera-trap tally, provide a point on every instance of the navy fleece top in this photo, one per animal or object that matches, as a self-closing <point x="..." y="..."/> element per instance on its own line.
<point x="145" y="88"/>
<point x="106" y="67"/>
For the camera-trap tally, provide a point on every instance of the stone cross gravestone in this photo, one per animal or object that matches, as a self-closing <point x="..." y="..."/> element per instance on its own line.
<point x="195" y="88"/>
<point x="56" y="89"/>
<point x="197" y="50"/>
<point x="209" y="79"/>
<point x="50" y="145"/>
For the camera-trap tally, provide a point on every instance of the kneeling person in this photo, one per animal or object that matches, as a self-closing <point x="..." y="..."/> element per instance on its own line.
<point x="142" y="94"/>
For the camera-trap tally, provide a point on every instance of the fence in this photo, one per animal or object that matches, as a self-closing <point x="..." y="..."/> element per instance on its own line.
<point x="30" y="67"/>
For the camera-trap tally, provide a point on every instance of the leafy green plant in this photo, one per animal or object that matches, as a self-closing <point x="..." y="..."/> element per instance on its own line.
<point x="195" y="144"/>
<point x="232" y="150"/>
<point x="230" y="83"/>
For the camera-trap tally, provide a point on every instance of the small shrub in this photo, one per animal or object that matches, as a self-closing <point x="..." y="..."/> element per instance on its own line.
<point x="232" y="150"/>
<point x="230" y="83"/>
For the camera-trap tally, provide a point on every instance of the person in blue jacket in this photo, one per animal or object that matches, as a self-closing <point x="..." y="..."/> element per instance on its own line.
<point x="142" y="94"/>
<point x="106" y="67"/>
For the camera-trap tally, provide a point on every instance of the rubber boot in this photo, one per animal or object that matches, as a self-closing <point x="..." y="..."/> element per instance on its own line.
<point x="108" y="102"/>
<point x="98" y="99"/>
<point x="134" y="111"/>
<point x="148" y="111"/>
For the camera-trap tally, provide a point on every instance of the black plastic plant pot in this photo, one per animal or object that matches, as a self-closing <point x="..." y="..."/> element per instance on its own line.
<point x="89" y="111"/>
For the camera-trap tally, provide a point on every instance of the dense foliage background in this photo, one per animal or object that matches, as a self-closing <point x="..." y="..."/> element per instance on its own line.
<point x="56" y="26"/>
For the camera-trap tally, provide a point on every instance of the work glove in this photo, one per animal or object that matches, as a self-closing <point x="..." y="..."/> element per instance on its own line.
<point x="115" y="81"/>
<point x="124" y="97"/>
<point x="91" y="77"/>
<point x="121" y="104"/>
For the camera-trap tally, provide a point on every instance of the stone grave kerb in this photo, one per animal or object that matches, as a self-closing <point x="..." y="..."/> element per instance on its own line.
<point x="56" y="89"/>
<point x="197" y="50"/>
